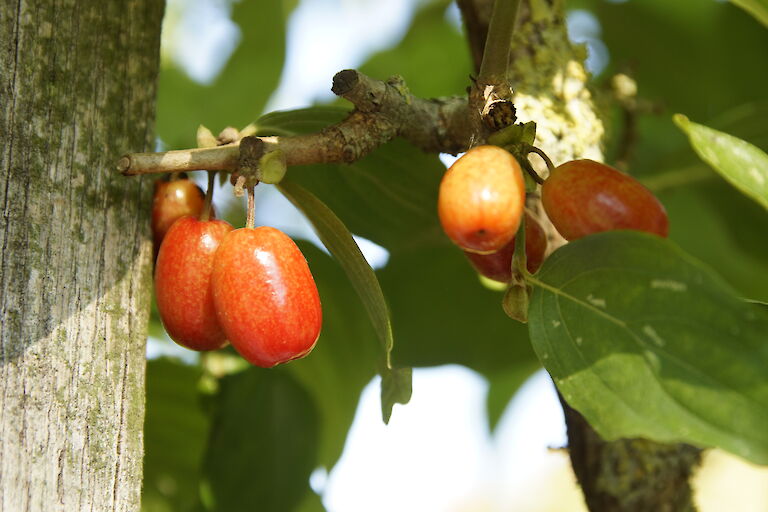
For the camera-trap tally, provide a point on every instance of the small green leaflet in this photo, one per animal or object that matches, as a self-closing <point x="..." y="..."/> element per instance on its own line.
<point x="757" y="8"/>
<point x="338" y="240"/>
<point x="744" y="165"/>
<point x="645" y="341"/>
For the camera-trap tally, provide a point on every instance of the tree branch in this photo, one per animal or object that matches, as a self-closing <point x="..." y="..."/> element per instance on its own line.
<point x="384" y="110"/>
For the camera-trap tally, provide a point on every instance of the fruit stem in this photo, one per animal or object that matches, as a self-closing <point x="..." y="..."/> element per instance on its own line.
<point x="175" y="176"/>
<point x="543" y="155"/>
<point x="250" y="218"/>
<point x="525" y="164"/>
<point x="519" y="263"/>
<point x="493" y="69"/>
<point x="205" y="215"/>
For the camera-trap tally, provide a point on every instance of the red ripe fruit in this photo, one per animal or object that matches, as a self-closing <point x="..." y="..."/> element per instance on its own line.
<point x="481" y="199"/>
<point x="171" y="201"/>
<point x="183" y="282"/>
<point x="498" y="265"/>
<point x="266" y="299"/>
<point x="582" y="197"/>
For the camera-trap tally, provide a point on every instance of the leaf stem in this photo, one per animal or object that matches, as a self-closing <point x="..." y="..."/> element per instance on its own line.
<point x="525" y="164"/>
<point x="493" y="69"/>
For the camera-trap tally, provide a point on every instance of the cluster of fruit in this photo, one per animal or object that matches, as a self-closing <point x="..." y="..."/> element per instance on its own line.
<point x="482" y="200"/>
<point x="215" y="284"/>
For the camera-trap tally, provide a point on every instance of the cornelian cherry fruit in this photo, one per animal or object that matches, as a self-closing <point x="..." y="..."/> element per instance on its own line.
<point x="498" y="265"/>
<point x="265" y="297"/>
<point x="582" y="197"/>
<point x="183" y="282"/>
<point x="481" y="199"/>
<point x="171" y="201"/>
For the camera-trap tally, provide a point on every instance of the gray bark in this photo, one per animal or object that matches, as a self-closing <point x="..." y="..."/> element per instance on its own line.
<point x="77" y="89"/>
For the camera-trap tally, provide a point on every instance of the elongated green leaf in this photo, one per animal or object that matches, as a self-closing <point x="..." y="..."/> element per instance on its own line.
<point x="645" y="341"/>
<point x="263" y="443"/>
<point x="757" y="8"/>
<point x="745" y="166"/>
<point x="338" y="240"/>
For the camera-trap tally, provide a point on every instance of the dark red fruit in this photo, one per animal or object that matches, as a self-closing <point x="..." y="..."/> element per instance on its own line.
<point x="266" y="299"/>
<point x="183" y="282"/>
<point x="171" y="201"/>
<point x="481" y="199"/>
<point x="582" y="197"/>
<point x="498" y="265"/>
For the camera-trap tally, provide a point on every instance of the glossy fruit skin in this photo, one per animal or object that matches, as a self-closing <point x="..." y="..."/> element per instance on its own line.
<point x="171" y="201"/>
<point x="266" y="299"/>
<point x="183" y="282"/>
<point x="481" y="199"/>
<point x="498" y="265"/>
<point x="582" y="197"/>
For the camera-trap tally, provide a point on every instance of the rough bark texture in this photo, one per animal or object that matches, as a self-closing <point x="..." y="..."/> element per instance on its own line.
<point x="550" y="87"/>
<point x="76" y="88"/>
<point x="630" y="475"/>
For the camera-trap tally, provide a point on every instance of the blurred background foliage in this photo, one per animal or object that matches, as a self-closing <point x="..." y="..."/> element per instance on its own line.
<point x="242" y="438"/>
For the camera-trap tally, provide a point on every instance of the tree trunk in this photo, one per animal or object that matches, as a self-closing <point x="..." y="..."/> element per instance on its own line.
<point x="77" y="89"/>
<point x="630" y="475"/>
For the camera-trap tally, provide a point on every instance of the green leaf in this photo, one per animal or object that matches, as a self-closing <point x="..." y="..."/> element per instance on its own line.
<point x="745" y="166"/>
<point x="263" y="443"/>
<point x="757" y="8"/>
<point x="645" y="341"/>
<point x="175" y="432"/>
<point x="338" y="240"/>
<point x="396" y="387"/>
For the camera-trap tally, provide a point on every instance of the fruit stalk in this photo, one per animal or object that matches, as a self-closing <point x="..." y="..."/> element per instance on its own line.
<point x="251" y="213"/>
<point x="206" y="214"/>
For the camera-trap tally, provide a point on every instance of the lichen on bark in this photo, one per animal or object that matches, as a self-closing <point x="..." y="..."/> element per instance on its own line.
<point x="76" y="88"/>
